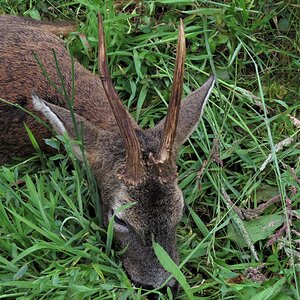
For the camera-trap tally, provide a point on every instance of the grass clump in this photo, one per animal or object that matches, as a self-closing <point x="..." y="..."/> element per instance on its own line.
<point x="239" y="237"/>
<point x="48" y="243"/>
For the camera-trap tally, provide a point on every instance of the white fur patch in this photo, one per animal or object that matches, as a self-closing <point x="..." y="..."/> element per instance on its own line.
<point x="203" y="105"/>
<point x="181" y="199"/>
<point x="207" y="95"/>
<point x="56" y="123"/>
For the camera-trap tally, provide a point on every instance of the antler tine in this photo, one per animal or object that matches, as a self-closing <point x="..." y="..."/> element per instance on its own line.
<point x="134" y="168"/>
<point x="175" y="99"/>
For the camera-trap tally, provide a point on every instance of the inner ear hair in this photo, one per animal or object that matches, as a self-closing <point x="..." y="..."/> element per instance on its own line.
<point x="62" y="123"/>
<point x="53" y="119"/>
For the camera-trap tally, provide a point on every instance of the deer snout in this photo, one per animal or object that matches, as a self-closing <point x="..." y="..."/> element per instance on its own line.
<point x="145" y="271"/>
<point x="172" y="284"/>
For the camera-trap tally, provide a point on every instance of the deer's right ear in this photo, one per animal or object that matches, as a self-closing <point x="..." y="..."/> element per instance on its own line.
<point x="189" y="115"/>
<point x="61" y="121"/>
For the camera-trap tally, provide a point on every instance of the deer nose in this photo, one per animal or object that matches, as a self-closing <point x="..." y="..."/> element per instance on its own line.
<point x="173" y="285"/>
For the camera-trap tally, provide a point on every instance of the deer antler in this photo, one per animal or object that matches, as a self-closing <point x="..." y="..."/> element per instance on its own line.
<point x="174" y="104"/>
<point x="134" y="168"/>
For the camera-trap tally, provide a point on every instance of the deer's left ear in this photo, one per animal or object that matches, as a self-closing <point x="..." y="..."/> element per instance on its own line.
<point x="189" y="115"/>
<point x="61" y="121"/>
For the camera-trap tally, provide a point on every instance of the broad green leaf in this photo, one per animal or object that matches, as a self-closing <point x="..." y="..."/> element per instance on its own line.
<point x="263" y="227"/>
<point x="21" y="272"/>
<point x="34" y="14"/>
<point x="201" y="226"/>
<point x="32" y="139"/>
<point x="271" y="292"/>
<point x="141" y="100"/>
<point x="170" y="266"/>
<point x="137" y="63"/>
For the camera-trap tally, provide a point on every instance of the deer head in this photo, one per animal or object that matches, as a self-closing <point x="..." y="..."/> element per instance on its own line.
<point x="136" y="165"/>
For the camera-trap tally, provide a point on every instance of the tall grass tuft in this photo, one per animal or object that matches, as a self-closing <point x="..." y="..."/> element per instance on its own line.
<point x="233" y="242"/>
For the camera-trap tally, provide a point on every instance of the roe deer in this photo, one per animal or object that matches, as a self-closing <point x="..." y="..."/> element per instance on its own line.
<point x="129" y="163"/>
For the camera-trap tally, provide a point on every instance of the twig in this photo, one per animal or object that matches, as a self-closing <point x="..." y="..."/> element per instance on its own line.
<point x="240" y="225"/>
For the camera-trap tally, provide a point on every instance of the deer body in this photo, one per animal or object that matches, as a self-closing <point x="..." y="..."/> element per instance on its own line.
<point x="149" y="179"/>
<point x="21" y="76"/>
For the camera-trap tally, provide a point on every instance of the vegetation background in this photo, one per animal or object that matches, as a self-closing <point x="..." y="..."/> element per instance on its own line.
<point x="240" y="234"/>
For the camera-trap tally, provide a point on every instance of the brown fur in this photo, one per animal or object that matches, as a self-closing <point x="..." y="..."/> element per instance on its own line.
<point x="159" y="203"/>
<point x="19" y="39"/>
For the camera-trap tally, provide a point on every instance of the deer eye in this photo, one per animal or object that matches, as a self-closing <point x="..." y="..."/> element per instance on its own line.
<point x="120" y="222"/>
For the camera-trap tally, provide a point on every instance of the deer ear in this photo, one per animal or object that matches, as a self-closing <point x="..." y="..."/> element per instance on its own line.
<point x="61" y="121"/>
<point x="190" y="113"/>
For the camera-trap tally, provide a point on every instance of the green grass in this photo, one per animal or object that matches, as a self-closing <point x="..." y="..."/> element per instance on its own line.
<point x="51" y="245"/>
